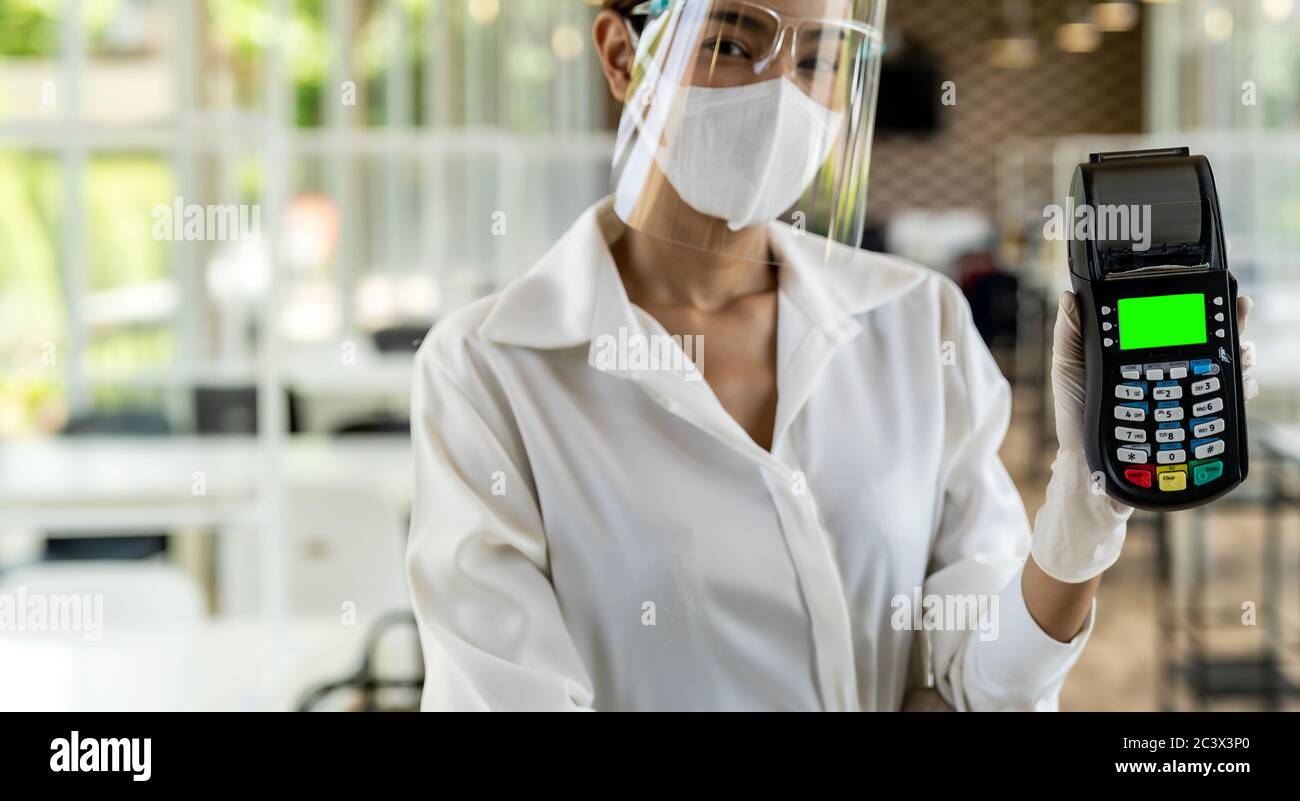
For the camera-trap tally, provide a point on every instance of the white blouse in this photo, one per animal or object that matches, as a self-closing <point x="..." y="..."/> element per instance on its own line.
<point x="591" y="534"/>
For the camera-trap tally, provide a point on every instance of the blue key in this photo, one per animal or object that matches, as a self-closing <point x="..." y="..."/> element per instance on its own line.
<point x="1196" y="443"/>
<point x="1202" y="366"/>
<point x="1175" y="446"/>
<point x="1167" y="405"/>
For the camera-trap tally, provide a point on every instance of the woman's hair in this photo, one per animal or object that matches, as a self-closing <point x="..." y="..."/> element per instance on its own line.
<point x="624" y="7"/>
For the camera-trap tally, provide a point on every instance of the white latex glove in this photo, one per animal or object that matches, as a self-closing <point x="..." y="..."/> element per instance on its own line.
<point x="1080" y="530"/>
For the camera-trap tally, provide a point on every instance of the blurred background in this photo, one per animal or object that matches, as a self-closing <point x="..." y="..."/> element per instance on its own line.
<point x="203" y="415"/>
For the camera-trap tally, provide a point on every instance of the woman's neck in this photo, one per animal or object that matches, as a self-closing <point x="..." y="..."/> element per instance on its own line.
<point x="672" y="255"/>
<point x="658" y="271"/>
<point x="659" y="268"/>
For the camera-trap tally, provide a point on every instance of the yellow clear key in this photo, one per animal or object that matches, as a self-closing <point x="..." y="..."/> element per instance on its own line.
<point x="1173" y="478"/>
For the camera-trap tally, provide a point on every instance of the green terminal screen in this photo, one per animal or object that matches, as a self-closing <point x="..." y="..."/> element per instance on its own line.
<point x="1163" y="321"/>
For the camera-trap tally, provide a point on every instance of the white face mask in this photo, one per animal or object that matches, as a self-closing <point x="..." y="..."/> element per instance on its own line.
<point x="746" y="154"/>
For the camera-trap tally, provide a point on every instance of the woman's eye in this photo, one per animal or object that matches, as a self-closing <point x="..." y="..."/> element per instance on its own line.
<point x="820" y="65"/>
<point x="728" y="48"/>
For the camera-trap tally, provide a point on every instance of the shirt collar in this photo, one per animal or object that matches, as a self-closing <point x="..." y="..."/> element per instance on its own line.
<point x="573" y="294"/>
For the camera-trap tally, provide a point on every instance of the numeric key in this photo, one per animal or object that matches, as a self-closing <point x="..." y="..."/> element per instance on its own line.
<point x="1130" y="434"/>
<point x="1169" y="414"/>
<point x="1167" y="390"/>
<point x="1132" y="412"/>
<point x="1205" y="387"/>
<point x="1130" y="391"/>
<point x="1209" y="407"/>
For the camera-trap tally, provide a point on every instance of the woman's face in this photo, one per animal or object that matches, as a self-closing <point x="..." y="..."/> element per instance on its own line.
<point x="740" y="42"/>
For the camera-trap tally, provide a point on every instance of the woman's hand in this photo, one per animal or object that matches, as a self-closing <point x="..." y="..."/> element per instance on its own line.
<point x="1080" y="530"/>
<point x="1069" y="379"/>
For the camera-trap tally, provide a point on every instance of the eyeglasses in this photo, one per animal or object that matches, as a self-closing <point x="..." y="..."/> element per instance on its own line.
<point x="739" y="40"/>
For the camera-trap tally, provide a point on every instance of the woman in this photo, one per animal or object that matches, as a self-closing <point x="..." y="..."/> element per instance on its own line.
<point x="595" y="528"/>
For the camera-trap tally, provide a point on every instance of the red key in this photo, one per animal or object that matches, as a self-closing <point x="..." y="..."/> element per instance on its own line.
<point x="1139" y="476"/>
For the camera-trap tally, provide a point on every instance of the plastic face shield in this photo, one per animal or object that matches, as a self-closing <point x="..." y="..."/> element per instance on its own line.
<point x="741" y="112"/>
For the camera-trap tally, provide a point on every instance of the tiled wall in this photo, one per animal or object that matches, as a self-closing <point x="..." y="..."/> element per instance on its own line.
<point x="1100" y="92"/>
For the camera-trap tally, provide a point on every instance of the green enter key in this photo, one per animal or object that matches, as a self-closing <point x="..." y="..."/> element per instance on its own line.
<point x="1205" y="472"/>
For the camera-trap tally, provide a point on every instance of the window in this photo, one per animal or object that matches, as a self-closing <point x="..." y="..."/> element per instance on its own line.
<point x="403" y="157"/>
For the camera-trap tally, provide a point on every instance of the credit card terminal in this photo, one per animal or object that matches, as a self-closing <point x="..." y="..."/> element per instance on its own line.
<point x="1164" y="412"/>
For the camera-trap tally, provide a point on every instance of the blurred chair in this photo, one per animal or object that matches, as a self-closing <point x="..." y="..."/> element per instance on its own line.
<point x="390" y="678"/>
<point x="233" y="410"/>
<point x="72" y="545"/>
<point x="1210" y="655"/>
<point x="873" y="236"/>
<point x="993" y="296"/>
<point x="134" y="592"/>
<point x="378" y="424"/>
<point x="348" y="547"/>
<point x="122" y="423"/>
<point x="400" y="338"/>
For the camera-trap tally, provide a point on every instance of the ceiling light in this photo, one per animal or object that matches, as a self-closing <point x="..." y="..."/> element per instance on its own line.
<point x="1078" y="37"/>
<point x="1115" y="17"/>
<point x="1218" y="24"/>
<point x="1278" y="9"/>
<point x="1013" y="53"/>
<point x="484" y="12"/>
<point x="566" y="42"/>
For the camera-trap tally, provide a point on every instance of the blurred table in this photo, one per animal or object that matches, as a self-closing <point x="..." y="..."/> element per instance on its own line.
<point x="213" y="665"/>
<point x="114" y="483"/>
<point x="1283" y="441"/>
<point x="1193" y="618"/>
